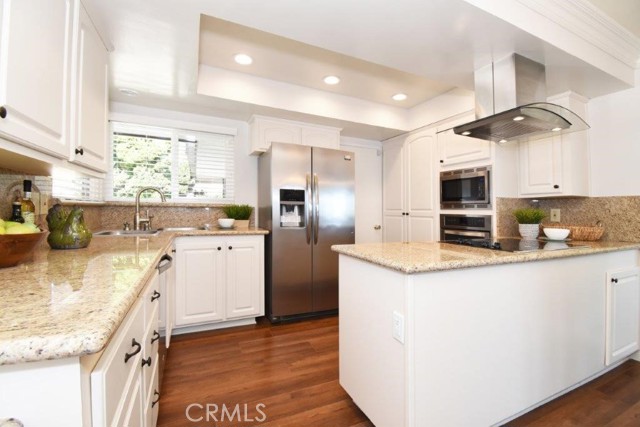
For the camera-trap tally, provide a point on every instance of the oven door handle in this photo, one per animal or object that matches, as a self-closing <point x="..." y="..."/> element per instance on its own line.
<point x="482" y="234"/>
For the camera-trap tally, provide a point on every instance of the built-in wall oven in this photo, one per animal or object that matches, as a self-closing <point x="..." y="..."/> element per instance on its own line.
<point x="455" y="227"/>
<point x="466" y="188"/>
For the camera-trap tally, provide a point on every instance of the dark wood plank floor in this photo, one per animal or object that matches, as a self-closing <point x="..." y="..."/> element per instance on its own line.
<point x="292" y="370"/>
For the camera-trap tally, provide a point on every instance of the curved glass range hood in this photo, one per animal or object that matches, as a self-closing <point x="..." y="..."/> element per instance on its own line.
<point x="526" y="122"/>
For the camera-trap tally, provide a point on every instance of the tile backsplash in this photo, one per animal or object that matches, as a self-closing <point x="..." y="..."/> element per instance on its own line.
<point x="619" y="215"/>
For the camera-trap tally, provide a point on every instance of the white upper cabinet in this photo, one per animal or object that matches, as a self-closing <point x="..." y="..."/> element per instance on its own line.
<point x="35" y="73"/>
<point x="265" y="130"/>
<point x="558" y="165"/>
<point x="90" y="97"/>
<point x="455" y="149"/>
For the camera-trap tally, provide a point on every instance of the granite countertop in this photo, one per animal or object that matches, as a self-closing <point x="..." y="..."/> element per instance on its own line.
<point x="67" y="303"/>
<point x="422" y="257"/>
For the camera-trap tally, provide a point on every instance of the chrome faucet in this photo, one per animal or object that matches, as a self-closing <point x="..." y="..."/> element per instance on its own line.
<point x="144" y="223"/>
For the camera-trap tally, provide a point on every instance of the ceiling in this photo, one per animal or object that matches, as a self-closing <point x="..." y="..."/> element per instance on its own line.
<point x="178" y="55"/>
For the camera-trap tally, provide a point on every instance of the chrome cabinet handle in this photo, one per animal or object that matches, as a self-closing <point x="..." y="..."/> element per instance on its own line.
<point x="138" y="347"/>
<point x="309" y="207"/>
<point x="316" y="220"/>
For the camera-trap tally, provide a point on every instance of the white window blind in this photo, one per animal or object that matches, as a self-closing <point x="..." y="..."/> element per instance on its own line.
<point x="70" y="185"/>
<point x="185" y="165"/>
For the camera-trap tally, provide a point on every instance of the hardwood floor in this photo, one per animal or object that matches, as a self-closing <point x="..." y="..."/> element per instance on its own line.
<point x="292" y="370"/>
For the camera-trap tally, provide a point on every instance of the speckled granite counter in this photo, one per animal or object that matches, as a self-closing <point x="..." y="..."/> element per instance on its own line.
<point x="69" y="303"/>
<point x="432" y="256"/>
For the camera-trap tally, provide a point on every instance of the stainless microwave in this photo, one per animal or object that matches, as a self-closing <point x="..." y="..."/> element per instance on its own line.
<point x="466" y="188"/>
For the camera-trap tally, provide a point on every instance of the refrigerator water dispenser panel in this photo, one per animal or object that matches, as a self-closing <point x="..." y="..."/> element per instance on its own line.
<point x="292" y="207"/>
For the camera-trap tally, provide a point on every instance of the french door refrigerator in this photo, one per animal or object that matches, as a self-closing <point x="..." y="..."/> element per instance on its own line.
<point x="306" y="200"/>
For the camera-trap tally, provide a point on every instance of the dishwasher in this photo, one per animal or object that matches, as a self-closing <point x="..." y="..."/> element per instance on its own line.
<point x="166" y="277"/>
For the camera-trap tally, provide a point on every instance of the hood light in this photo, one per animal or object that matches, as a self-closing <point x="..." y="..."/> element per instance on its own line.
<point x="399" y="97"/>
<point x="502" y="141"/>
<point x="556" y="129"/>
<point x="466" y="133"/>
<point x="518" y="118"/>
<point x="243" y="59"/>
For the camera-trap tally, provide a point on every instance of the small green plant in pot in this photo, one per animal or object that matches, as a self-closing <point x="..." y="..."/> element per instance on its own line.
<point x="529" y="221"/>
<point x="241" y="214"/>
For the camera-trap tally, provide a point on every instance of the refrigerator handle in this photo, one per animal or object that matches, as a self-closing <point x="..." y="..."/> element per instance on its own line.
<point x="316" y="203"/>
<point x="308" y="210"/>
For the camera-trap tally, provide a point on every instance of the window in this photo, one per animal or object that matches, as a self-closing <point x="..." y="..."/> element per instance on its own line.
<point x="185" y="165"/>
<point x="69" y="185"/>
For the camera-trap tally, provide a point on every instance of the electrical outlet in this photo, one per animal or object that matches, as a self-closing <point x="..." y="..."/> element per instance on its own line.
<point x="555" y="215"/>
<point x="398" y="327"/>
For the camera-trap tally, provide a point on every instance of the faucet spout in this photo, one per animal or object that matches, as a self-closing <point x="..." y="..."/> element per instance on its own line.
<point x="137" y="220"/>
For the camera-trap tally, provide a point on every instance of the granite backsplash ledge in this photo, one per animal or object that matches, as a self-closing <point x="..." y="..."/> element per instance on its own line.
<point x="619" y="215"/>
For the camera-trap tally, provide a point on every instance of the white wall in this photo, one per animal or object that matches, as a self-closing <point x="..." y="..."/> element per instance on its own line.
<point x="246" y="173"/>
<point x="615" y="143"/>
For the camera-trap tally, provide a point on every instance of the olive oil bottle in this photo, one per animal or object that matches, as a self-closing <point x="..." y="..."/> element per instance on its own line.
<point x="28" y="208"/>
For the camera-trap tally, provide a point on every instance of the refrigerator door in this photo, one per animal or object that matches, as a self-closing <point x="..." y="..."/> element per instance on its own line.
<point x="334" y="220"/>
<point x="291" y="272"/>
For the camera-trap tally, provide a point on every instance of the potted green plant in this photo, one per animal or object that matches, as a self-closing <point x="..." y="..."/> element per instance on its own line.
<point x="241" y="214"/>
<point x="529" y="221"/>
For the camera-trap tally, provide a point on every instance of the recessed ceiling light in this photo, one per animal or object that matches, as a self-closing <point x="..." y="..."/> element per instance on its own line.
<point x="518" y="118"/>
<point x="128" y="92"/>
<point x="243" y="59"/>
<point x="399" y="97"/>
<point x="332" y="80"/>
<point x="502" y="141"/>
<point x="556" y="129"/>
<point x="466" y="133"/>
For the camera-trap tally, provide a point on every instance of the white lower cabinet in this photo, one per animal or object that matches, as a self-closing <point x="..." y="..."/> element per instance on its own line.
<point x="623" y="314"/>
<point x="218" y="278"/>
<point x="123" y="379"/>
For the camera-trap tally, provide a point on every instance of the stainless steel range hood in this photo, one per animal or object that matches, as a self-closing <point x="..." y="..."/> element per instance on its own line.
<point x="510" y="106"/>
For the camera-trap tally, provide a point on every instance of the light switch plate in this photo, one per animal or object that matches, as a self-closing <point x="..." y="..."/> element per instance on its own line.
<point x="555" y="215"/>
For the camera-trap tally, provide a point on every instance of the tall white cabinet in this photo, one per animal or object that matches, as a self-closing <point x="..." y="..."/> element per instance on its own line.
<point x="409" y="188"/>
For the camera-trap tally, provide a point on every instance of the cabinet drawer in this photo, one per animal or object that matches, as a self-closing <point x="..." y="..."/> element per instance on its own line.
<point x="112" y="376"/>
<point x="152" y="402"/>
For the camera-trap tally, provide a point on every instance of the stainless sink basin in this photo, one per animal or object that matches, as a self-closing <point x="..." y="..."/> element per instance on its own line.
<point x="182" y="228"/>
<point x="127" y="233"/>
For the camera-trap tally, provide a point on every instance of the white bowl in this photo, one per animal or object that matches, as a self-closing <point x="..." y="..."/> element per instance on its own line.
<point x="556" y="233"/>
<point x="226" y="222"/>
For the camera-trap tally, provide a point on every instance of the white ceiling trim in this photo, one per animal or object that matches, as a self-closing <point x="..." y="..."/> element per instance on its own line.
<point x="592" y="25"/>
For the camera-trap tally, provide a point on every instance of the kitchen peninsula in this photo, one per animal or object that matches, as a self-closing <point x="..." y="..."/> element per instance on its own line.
<point x="438" y="334"/>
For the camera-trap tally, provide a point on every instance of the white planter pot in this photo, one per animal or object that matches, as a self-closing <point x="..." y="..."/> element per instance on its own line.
<point x="529" y="231"/>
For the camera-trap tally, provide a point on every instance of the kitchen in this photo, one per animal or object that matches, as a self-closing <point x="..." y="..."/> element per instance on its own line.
<point x="159" y="53"/>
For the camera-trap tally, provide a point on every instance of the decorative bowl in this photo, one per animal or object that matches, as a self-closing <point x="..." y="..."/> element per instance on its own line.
<point x="226" y="222"/>
<point x="556" y="233"/>
<point x="15" y="248"/>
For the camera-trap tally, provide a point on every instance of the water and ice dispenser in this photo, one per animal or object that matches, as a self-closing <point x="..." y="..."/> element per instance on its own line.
<point x="292" y="208"/>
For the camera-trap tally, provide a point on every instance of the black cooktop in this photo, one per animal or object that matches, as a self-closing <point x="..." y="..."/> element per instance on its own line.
<point x="517" y="245"/>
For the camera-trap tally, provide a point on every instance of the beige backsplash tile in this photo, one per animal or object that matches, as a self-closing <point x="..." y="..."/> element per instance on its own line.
<point x="620" y="215"/>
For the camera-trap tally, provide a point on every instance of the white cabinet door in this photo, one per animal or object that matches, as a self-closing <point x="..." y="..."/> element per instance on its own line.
<point x="408" y="188"/>
<point x="35" y="48"/>
<point x="623" y="314"/>
<point x="320" y="137"/>
<point x="244" y="277"/>
<point x="265" y="131"/>
<point x="420" y="202"/>
<point x="90" y="97"/>
<point x="200" y="280"/>
<point x="455" y="149"/>
<point x="541" y="166"/>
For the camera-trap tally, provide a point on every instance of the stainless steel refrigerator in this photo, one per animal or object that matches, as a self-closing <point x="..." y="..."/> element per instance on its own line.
<point x="306" y="200"/>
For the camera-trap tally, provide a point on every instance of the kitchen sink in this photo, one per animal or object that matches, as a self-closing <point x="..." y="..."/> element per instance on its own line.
<point x="182" y="228"/>
<point x="127" y="233"/>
